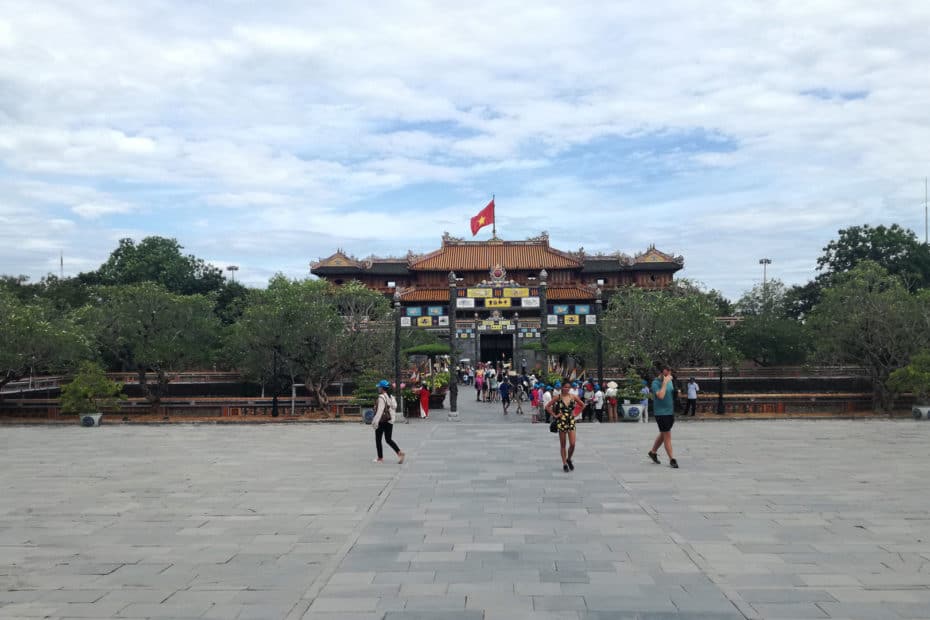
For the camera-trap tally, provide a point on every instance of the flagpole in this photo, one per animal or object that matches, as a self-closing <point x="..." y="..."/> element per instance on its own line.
<point x="494" y="221"/>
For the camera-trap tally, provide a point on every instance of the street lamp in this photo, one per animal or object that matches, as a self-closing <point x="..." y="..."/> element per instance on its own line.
<point x="765" y="262"/>
<point x="516" y="341"/>
<point x="274" y="385"/>
<point x="598" y="310"/>
<point x="232" y="269"/>
<point x="453" y="384"/>
<point x="400" y="396"/>
<point x="477" y="359"/>
<point x="544" y="319"/>
<point x="720" y="338"/>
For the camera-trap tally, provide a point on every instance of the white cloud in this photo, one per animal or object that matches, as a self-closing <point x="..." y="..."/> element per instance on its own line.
<point x="324" y="117"/>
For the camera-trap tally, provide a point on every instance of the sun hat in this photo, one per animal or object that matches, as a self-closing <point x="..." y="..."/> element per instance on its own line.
<point x="383" y="384"/>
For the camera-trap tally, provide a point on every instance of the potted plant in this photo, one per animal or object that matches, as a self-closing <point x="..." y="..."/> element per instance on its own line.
<point x="629" y="393"/>
<point x="90" y="393"/>
<point x="438" y="385"/>
<point x="914" y="378"/>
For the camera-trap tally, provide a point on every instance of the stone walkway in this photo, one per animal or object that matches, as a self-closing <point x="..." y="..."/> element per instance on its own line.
<point x="781" y="519"/>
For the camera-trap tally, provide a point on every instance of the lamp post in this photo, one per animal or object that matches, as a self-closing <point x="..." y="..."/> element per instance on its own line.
<point x="232" y="269"/>
<point x="765" y="262"/>
<point x="516" y="340"/>
<point x="400" y="397"/>
<point x="274" y="384"/>
<point x="544" y="322"/>
<point x="720" y="408"/>
<point x="598" y="309"/>
<point x="477" y="359"/>
<point x="453" y="384"/>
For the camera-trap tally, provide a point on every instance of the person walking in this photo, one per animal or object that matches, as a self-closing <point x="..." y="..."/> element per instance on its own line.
<point x="479" y="384"/>
<point x="562" y="408"/>
<point x="385" y="414"/>
<point x="504" y="390"/>
<point x="693" y="389"/>
<point x="664" y="414"/>
<point x="544" y="401"/>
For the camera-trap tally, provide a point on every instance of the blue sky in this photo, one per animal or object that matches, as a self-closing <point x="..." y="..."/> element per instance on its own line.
<point x="268" y="135"/>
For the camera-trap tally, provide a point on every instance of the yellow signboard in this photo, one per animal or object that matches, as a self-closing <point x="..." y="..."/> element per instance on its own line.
<point x="571" y="319"/>
<point x="478" y="292"/>
<point x="425" y="321"/>
<point x="496" y="302"/>
<point x="516" y="292"/>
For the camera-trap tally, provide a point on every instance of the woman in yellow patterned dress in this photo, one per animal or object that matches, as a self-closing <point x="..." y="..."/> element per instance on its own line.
<point x="562" y="408"/>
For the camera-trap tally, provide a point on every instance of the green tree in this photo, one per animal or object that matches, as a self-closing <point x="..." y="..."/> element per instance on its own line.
<point x="91" y="391"/>
<point x="644" y="328"/>
<point x="771" y="340"/>
<point x="913" y="378"/>
<point x="868" y="317"/>
<point x="894" y="248"/>
<point x="322" y="331"/>
<point x="763" y="300"/>
<point x="35" y="340"/>
<point x="158" y="260"/>
<point x="147" y="330"/>
<point x="767" y="335"/>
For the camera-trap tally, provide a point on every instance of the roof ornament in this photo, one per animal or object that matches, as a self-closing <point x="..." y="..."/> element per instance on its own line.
<point x="542" y="237"/>
<point x="498" y="274"/>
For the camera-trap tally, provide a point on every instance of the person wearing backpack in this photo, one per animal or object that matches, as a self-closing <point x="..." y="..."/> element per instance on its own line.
<point x="385" y="414"/>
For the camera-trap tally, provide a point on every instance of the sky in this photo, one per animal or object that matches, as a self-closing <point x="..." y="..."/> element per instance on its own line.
<point x="267" y="135"/>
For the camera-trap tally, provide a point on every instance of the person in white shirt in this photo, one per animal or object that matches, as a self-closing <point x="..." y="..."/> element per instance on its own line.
<point x="693" y="389"/>
<point x="547" y="396"/>
<point x="598" y="403"/>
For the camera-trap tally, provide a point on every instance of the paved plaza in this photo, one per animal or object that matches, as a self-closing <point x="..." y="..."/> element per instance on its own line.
<point x="773" y="519"/>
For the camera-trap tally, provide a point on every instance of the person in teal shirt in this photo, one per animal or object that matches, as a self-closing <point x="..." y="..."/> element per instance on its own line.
<point x="663" y="391"/>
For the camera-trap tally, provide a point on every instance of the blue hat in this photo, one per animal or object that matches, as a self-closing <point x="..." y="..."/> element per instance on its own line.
<point x="383" y="384"/>
<point x="558" y="384"/>
<point x="597" y="386"/>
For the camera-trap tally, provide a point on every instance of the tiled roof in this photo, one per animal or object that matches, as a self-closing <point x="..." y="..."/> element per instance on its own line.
<point x="471" y="255"/>
<point x="558" y="293"/>
<point x="553" y="293"/>
<point x="426" y="294"/>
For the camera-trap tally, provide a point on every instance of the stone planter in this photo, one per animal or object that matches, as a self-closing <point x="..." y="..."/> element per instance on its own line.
<point x="630" y="412"/>
<point x="90" y="419"/>
<point x="437" y="400"/>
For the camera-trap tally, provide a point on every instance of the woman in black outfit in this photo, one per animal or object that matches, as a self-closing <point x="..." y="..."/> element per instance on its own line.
<point x="562" y="408"/>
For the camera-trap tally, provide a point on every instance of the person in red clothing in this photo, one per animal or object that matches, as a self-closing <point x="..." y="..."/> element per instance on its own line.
<point x="424" y="401"/>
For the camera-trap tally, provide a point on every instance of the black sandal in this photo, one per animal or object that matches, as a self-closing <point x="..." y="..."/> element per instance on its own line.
<point x="571" y="465"/>
<point x="673" y="464"/>
<point x="565" y="467"/>
<point x="654" y="457"/>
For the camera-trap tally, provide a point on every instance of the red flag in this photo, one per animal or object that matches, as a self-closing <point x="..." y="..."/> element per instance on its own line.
<point x="484" y="217"/>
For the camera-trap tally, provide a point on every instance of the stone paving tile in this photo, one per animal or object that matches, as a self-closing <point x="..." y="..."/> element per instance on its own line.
<point x="480" y="523"/>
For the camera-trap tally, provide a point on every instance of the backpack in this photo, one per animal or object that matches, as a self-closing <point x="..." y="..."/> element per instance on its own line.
<point x="389" y="410"/>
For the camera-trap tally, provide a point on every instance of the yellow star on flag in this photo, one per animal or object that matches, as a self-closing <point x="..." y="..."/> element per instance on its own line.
<point x="481" y="220"/>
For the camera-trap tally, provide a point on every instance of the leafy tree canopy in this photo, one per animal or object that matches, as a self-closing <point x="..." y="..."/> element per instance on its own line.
<point x="146" y="329"/>
<point x="895" y="249"/>
<point x="868" y="317"/>
<point x="644" y="328"/>
<point x="158" y="260"/>
<point x="36" y="340"/>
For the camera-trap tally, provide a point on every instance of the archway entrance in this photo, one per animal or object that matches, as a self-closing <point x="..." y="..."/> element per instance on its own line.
<point x="496" y="347"/>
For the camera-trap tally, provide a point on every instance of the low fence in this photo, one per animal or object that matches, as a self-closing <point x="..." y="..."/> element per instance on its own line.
<point x="173" y="409"/>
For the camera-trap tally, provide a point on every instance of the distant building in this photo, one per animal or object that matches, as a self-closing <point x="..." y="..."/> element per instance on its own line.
<point x="499" y="292"/>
